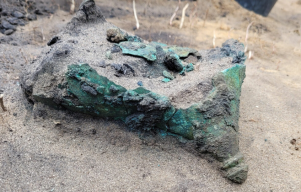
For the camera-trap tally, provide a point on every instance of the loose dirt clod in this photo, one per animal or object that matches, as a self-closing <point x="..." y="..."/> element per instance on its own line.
<point x="293" y="141"/>
<point x="2" y="103"/>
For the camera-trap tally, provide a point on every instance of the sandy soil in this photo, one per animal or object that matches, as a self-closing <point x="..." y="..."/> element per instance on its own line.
<point x="49" y="150"/>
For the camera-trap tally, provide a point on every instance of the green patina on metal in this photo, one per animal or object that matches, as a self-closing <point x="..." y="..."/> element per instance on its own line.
<point x="91" y="93"/>
<point x="212" y="123"/>
<point x="167" y="75"/>
<point x="139" y="49"/>
<point x="148" y="50"/>
<point x="94" y="94"/>
<point x="133" y="38"/>
<point x="221" y="107"/>
<point x="97" y="95"/>
<point x="159" y="54"/>
<point x="180" y="51"/>
<point x="235" y="76"/>
<point x="180" y="125"/>
<point x="189" y="67"/>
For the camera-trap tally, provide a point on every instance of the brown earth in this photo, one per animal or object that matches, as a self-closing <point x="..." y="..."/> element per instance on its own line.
<point x="49" y="150"/>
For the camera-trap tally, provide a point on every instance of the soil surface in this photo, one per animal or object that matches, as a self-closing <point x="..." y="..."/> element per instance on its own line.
<point x="50" y="150"/>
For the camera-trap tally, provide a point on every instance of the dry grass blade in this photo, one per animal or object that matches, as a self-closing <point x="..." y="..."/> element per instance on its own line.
<point x="251" y="54"/>
<point x="247" y="35"/>
<point x="213" y="41"/>
<point x="183" y="15"/>
<point x="135" y="14"/>
<point x="175" y="13"/>
<point x="247" y="32"/>
<point x="72" y="7"/>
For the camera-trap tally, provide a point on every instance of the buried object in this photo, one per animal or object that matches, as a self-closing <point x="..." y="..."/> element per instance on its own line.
<point x="201" y="107"/>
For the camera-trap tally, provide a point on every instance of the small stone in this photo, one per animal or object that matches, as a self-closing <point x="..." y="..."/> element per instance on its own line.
<point x="238" y="174"/>
<point x="183" y="72"/>
<point x="32" y="17"/>
<point x="172" y="62"/>
<point x="73" y="41"/>
<point x="17" y="14"/>
<point x="15" y="114"/>
<point x="293" y="141"/>
<point x="38" y="12"/>
<point x="88" y="89"/>
<point x="109" y="55"/>
<point x="168" y="75"/>
<point x="102" y="64"/>
<point x="16" y="21"/>
<point x="7" y="25"/>
<point x="118" y="67"/>
<point x="116" y="35"/>
<point x="12" y="20"/>
<point x="115" y="49"/>
<point x="48" y="10"/>
<point x="140" y="83"/>
<point x="9" y="32"/>
<point x="165" y="80"/>
<point x="53" y="40"/>
<point x="57" y="122"/>
<point x="4" y="13"/>
<point x="233" y="161"/>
